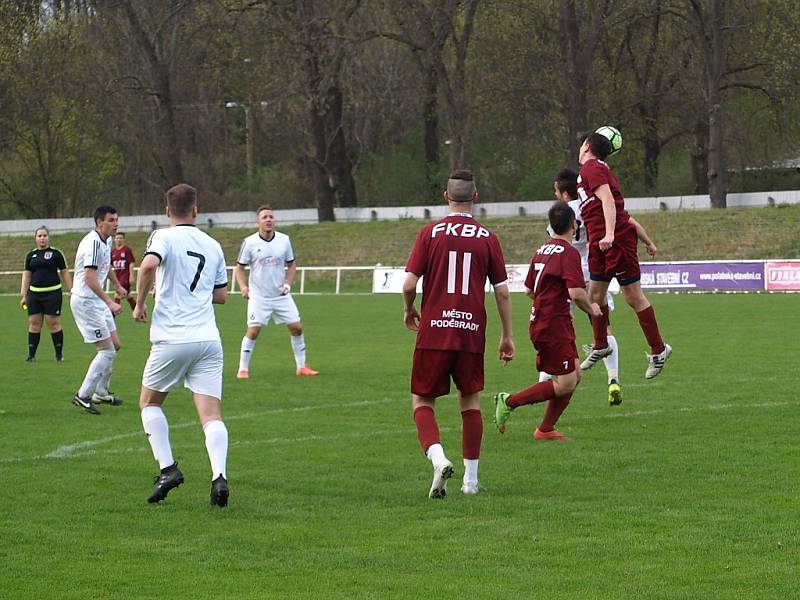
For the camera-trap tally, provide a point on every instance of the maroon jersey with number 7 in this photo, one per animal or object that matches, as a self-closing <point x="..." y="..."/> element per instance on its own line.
<point x="454" y="257"/>
<point x="554" y="269"/>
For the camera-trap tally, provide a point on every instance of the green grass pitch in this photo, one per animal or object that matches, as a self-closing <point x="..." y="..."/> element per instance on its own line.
<point x="687" y="490"/>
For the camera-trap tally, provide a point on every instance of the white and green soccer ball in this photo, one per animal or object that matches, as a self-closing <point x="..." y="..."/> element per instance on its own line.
<point x="613" y="135"/>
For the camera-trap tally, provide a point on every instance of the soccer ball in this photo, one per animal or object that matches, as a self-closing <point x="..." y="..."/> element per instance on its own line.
<point x="613" y="135"/>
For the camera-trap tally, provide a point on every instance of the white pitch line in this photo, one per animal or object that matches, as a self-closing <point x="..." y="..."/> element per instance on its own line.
<point x="68" y="450"/>
<point x="73" y="448"/>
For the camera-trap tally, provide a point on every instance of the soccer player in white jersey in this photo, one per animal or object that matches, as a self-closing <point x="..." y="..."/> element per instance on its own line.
<point x="189" y="271"/>
<point x="565" y="188"/>
<point x="271" y="259"/>
<point x="94" y="310"/>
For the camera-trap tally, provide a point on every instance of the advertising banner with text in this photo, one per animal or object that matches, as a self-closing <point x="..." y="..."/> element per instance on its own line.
<point x="703" y="276"/>
<point x="783" y="276"/>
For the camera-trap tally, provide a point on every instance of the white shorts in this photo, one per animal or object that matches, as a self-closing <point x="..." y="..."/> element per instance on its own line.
<point x="93" y="318"/>
<point x="280" y="309"/>
<point x="198" y="365"/>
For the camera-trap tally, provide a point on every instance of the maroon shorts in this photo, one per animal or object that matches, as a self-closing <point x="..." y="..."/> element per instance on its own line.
<point x="555" y="357"/>
<point x="620" y="261"/>
<point x="431" y="371"/>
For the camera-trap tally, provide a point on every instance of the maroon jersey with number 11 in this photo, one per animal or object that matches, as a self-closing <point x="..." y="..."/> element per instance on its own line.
<point x="454" y="257"/>
<point x="554" y="269"/>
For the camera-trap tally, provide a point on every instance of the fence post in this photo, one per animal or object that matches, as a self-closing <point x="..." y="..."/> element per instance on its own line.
<point x="338" y="279"/>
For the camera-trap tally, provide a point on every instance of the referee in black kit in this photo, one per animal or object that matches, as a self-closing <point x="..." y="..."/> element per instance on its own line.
<point x="41" y="292"/>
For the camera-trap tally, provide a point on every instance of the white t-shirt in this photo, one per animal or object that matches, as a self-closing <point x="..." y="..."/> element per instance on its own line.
<point x="192" y="266"/>
<point x="93" y="253"/>
<point x="581" y="240"/>
<point x="267" y="260"/>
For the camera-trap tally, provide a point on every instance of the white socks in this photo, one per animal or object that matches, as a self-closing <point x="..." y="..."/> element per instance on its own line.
<point x="299" y="349"/>
<point x="471" y="470"/>
<point x="612" y="361"/>
<point x="98" y="367"/>
<point x="157" y="430"/>
<point x="436" y="455"/>
<point x="217" y="446"/>
<point x="245" y="353"/>
<point x="105" y="378"/>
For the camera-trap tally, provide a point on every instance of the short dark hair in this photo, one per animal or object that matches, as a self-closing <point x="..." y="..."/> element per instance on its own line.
<point x="599" y="145"/>
<point x="263" y="207"/>
<point x="461" y="186"/>
<point x="40" y="228"/>
<point x="567" y="181"/>
<point x="561" y="217"/>
<point x="122" y="233"/>
<point x="180" y="199"/>
<point x="101" y="211"/>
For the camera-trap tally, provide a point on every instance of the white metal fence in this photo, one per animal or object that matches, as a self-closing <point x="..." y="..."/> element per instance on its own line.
<point x="299" y="287"/>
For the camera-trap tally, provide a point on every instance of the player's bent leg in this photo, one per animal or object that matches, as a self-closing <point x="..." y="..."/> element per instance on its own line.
<point x="564" y="386"/>
<point x="102" y="393"/>
<point x="659" y="351"/>
<point x="102" y="361"/>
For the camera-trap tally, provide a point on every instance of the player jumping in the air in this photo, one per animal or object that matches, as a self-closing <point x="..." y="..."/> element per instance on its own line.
<point x="612" y="253"/>
<point x="554" y="278"/>
<point x="566" y="190"/>
<point x="454" y="256"/>
<point x="270" y="256"/>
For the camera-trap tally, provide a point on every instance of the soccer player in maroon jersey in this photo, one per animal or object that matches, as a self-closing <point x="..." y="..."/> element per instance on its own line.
<point x="122" y="261"/>
<point x="612" y="253"/>
<point x="554" y="278"/>
<point x="454" y="256"/>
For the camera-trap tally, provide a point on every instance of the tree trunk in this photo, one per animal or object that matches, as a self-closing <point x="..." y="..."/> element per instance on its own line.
<point x="430" y="119"/>
<point x="699" y="156"/>
<point x="338" y="163"/>
<point x="717" y="180"/>
<point x="576" y="76"/>
<point x="652" y="151"/>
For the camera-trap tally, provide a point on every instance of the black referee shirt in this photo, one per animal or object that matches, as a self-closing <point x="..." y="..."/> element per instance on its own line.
<point x="44" y="265"/>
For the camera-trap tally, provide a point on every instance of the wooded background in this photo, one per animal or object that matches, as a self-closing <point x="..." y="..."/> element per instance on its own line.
<point x="323" y="103"/>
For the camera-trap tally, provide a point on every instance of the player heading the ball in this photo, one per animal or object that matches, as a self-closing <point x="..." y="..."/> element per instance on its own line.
<point x="454" y="256"/>
<point x="612" y="253"/>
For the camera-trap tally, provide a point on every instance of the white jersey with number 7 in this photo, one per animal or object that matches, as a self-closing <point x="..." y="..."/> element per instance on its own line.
<point x="192" y="266"/>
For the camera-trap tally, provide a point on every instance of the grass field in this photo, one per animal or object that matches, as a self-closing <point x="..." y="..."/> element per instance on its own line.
<point x="687" y="490"/>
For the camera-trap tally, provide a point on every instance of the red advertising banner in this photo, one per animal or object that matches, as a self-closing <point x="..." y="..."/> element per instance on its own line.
<point x="783" y="276"/>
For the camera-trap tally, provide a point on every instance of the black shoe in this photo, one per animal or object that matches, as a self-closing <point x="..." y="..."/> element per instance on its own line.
<point x="59" y="359"/>
<point x="30" y="359"/>
<point x="219" y="492"/>
<point x="170" y="477"/>
<point x="85" y="404"/>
